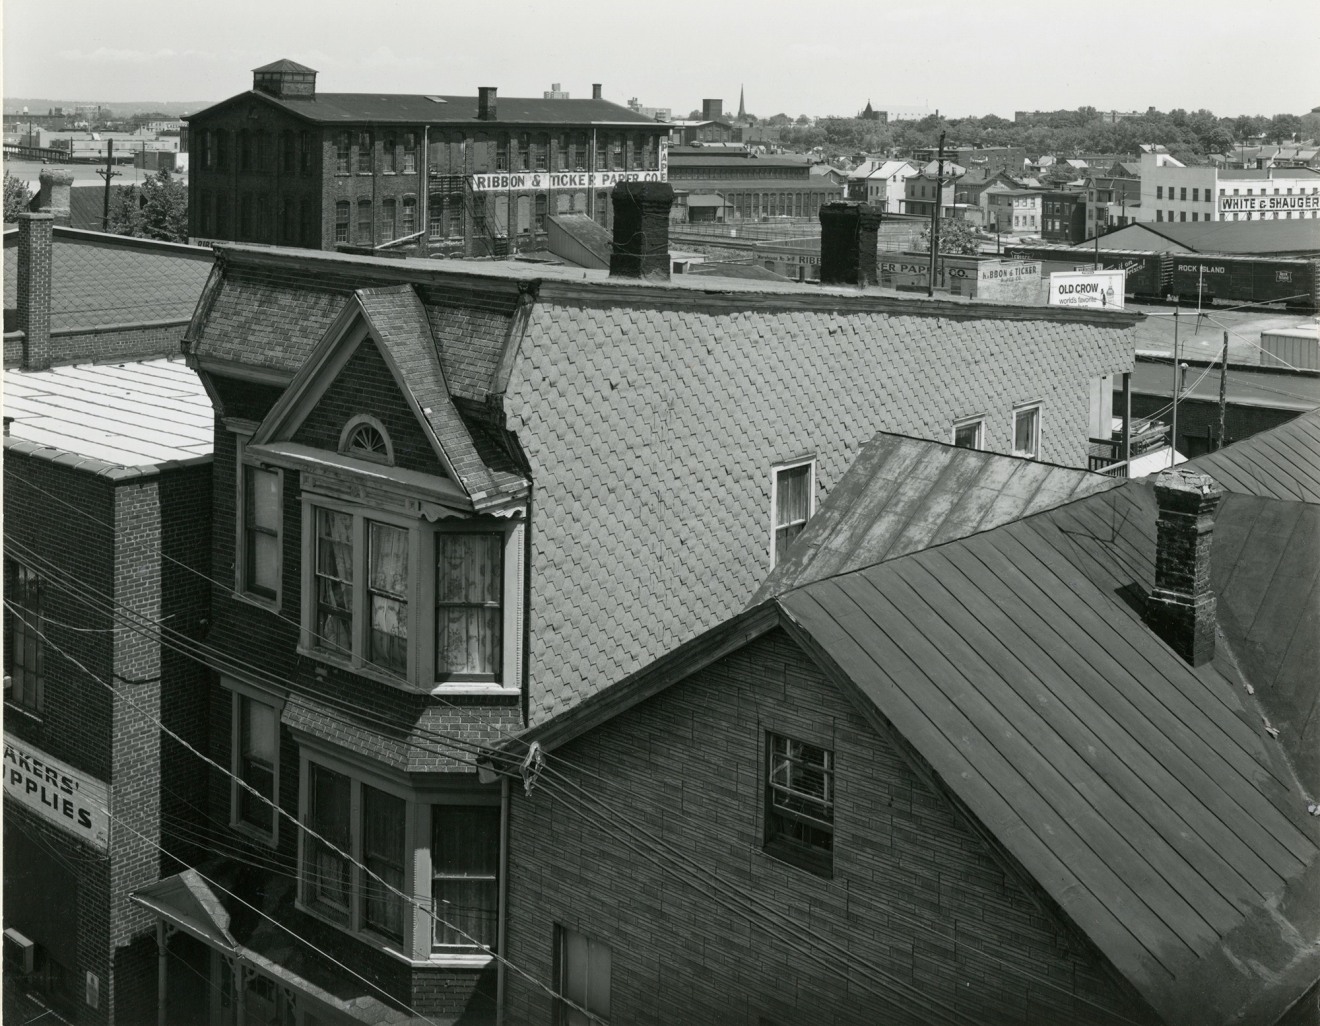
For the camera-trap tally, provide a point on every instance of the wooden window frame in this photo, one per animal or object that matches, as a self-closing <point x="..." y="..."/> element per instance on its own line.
<point x="775" y="472"/>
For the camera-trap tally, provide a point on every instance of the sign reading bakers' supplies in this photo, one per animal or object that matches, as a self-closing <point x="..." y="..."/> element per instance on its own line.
<point x="66" y="797"/>
<point x="1097" y="290"/>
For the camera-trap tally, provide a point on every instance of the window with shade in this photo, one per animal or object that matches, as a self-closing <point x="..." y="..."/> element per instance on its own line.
<point x="255" y="769"/>
<point x="260" y="538"/>
<point x="1026" y="431"/>
<point x="465" y="860"/>
<point x="792" y="501"/>
<point x="582" y="973"/>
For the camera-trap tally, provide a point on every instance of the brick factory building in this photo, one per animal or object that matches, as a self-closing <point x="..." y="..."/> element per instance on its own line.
<point x="737" y="184"/>
<point x="454" y="499"/>
<point x="107" y="484"/>
<point x="997" y="743"/>
<point x="462" y="176"/>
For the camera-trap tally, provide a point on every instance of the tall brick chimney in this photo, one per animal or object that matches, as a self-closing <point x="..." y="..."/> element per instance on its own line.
<point x="55" y="196"/>
<point x="595" y="90"/>
<point x="849" y="234"/>
<point x="712" y="110"/>
<point x="641" y="230"/>
<point x="486" y="103"/>
<point x="1181" y="608"/>
<point x="32" y="283"/>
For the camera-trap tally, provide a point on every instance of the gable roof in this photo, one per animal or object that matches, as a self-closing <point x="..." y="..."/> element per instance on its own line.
<point x="1282" y="463"/>
<point x="435" y="109"/>
<point x="903" y="494"/>
<point x="398" y="325"/>
<point x="1146" y="797"/>
<point x="1245" y="237"/>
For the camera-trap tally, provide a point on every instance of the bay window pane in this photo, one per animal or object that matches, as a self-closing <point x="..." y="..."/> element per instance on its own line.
<point x="382" y="854"/>
<point x="469" y="603"/>
<point x="387" y="586"/>
<point x="258" y="740"/>
<point x="465" y="853"/>
<point x="327" y="871"/>
<point x="334" y="581"/>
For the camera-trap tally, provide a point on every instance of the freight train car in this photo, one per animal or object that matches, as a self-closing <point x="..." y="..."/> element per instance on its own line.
<point x="1210" y="278"/>
<point x="1148" y="273"/>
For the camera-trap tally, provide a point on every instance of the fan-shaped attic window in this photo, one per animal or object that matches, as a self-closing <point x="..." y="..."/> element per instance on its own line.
<point x="365" y="437"/>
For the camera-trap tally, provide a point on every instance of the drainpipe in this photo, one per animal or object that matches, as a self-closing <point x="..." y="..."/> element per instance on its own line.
<point x="502" y="929"/>
<point x="162" y="963"/>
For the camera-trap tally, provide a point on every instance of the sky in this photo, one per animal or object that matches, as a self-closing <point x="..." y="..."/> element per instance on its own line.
<point x="815" y="57"/>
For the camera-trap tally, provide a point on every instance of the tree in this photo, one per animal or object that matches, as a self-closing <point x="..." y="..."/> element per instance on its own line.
<point x="164" y="214"/>
<point x="17" y="197"/>
<point x="956" y="236"/>
<point x="1283" y="127"/>
<point x="125" y="212"/>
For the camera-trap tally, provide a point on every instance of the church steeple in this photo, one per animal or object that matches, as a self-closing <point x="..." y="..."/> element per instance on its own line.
<point x="742" y="107"/>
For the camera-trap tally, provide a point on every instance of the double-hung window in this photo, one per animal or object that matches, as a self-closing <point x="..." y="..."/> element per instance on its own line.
<point x="969" y="433"/>
<point x="792" y="501"/>
<point x="254" y="784"/>
<point x="418" y="604"/>
<point x="406" y="868"/>
<point x="261" y="531"/>
<point x="25" y="655"/>
<point x="583" y="978"/>
<point x="1026" y="431"/>
<point x="799" y="803"/>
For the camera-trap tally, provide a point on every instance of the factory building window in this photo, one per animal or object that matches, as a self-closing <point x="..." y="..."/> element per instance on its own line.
<point x="341" y="221"/>
<point x="409" y="224"/>
<point x="410" y="153"/>
<point x="364" y="227"/>
<point x="343" y="151"/>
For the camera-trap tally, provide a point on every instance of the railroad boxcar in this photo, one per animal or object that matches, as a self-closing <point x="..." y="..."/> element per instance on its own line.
<point x="1222" y="278"/>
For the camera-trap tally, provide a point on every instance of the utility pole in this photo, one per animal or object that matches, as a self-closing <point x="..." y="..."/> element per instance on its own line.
<point x="935" y="220"/>
<point x="1177" y="375"/>
<point x="1223" y="394"/>
<point x="107" y="173"/>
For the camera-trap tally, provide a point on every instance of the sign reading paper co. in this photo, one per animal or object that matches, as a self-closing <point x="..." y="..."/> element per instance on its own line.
<point x="1102" y="290"/>
<point x="73" y="801"/>
<point x="536" y="181"/>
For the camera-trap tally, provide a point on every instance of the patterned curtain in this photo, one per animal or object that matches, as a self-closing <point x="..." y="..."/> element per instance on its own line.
<point x="387" y="585"/>
<point x="334" y="581"/>
<point x="465" y="851"/>
<point x="469" y="599"/>
<point x="383" y="854"/>
<point x="328" y="814"/>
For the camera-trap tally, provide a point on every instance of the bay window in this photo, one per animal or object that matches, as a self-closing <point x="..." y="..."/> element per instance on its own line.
<point x="416" y="604"/>
<point x="409" y="867"/>
<point x="254" y="791"/>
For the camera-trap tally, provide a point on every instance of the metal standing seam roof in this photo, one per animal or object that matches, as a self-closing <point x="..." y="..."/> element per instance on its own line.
<point x="1282" y="463"/>
<point x="110" y="418"/>
<point x="904" y="494"/>
<point x="1235" y="237"/>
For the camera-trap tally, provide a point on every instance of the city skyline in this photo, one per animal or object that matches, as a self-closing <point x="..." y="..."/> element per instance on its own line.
<point x="980" y="61"/>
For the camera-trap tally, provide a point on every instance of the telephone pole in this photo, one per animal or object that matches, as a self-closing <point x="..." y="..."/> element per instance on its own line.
<point x="107" y="173"/>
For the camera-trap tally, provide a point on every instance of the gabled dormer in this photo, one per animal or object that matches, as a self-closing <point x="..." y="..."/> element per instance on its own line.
<point x="412" y="546"/>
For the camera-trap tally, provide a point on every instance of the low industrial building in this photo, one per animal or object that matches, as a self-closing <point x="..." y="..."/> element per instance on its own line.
<point x="1173" y="191"/>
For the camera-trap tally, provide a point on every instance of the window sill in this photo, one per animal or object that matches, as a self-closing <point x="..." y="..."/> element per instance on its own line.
<point x="13" y="706"/>
<point x="461" y="687"/>
<point x="816" y="863"/>
<point x="270" y="605"/>
<point x="438" y="960"/>
<point x="255" y="833"/>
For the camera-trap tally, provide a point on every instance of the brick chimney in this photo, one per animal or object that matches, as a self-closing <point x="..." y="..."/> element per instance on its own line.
<point x="32" y="282"/>
<point x="641" y="230"/>
<point x="486" y="103"/>
<point x="55" y="197"/>
<point x="849" y="235"/>
<point x="595" y="90"/>
<point x="712" y="110"/>
<point x="1181" y="608"/>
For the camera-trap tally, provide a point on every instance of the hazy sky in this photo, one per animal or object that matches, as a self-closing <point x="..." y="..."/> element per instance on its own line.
<point x="795" y="56"/>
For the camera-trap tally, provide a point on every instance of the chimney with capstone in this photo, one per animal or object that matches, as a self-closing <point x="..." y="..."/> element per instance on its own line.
<point x="56" y="183"/>
<point x="32" y="286"/>
<point x="595" y="90"/>
<point x="1181" y="607"/>
<point x="486" y="107"/>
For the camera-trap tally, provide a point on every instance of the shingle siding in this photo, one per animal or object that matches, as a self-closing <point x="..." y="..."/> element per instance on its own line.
<point x="922" y="920"/>
<point x="651" y="435"/>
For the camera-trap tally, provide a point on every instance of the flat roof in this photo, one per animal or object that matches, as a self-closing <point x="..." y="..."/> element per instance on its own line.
<point x="117" y="420"/>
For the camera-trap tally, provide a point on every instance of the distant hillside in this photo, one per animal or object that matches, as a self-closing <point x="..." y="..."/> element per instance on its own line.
<point x="118" y="109"/>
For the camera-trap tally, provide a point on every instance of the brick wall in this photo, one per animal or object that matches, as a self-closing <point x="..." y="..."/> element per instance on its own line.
<point x="365" y="385"/>
<point x="651" y="435"/>
<point x="916" y="895"/>
<point x="100" y="345"/>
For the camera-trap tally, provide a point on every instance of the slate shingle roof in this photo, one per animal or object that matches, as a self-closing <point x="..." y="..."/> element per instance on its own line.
<point x="648" y="417"/>
<point x="108" y="280"/>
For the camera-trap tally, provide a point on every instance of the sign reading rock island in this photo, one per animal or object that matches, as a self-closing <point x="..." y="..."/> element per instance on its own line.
<point x="1100" y="290"/>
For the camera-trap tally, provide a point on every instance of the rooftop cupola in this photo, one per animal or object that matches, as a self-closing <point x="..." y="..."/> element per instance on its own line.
<point x="286" y="79"/>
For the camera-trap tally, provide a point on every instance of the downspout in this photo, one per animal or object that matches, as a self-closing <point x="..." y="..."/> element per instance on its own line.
<point x="162" y="964"/>
<point x="502" y="928"/>
<point x="424" y="191"/>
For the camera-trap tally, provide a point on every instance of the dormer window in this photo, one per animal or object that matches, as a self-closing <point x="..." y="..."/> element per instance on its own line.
<point x="365" y="437"/>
